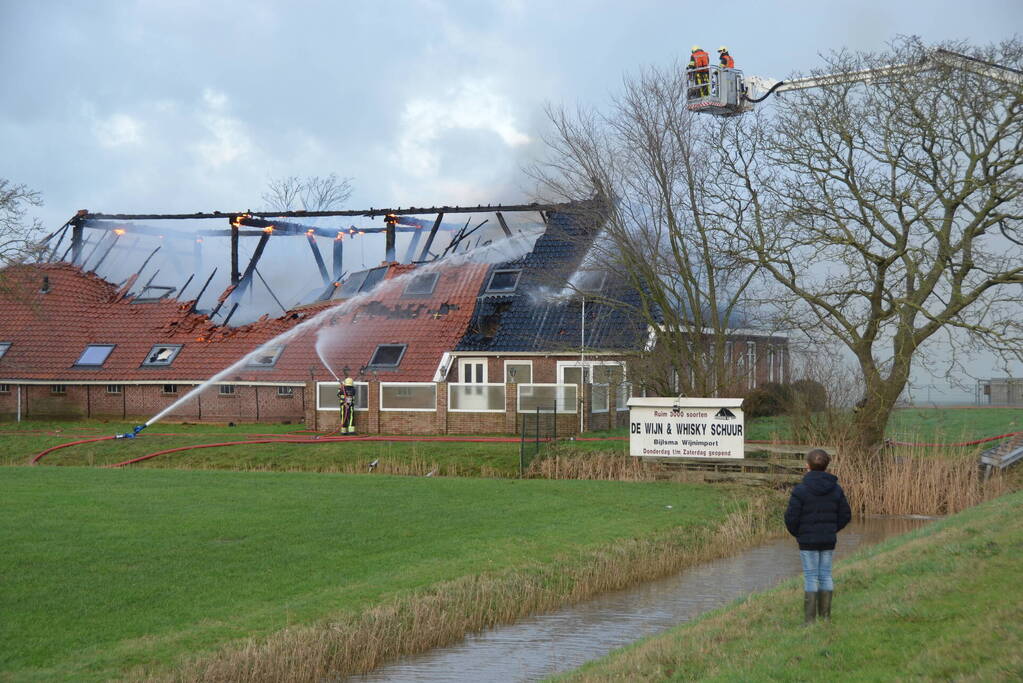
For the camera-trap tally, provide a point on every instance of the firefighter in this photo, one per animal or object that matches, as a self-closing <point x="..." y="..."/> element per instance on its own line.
<point x="346" y="397"/>
<point x="699" y="60"/>
<point x="726" y="59"/>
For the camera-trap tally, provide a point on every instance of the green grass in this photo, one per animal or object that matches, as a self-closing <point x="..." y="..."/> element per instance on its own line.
<point x="105" y="570"/>
<point x="941" y="603"/>
<point x="21" y="441"/>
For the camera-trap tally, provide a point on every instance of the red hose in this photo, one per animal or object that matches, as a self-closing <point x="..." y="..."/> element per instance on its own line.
<point x="954" y="445"/>
<point x="39" y="456"/>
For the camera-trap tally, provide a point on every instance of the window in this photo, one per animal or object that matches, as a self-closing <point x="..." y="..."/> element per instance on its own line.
<point x="326" y="396"/>
<point x="3" y="348"/>
<point x="5" y="388"/>
<point x="590" y="281"/>
<point x="518" y="371"/>
<point x="422" y="284"/>
<point x="503" y="281"/>
<point x="94" y="355"/>
<point x="472" y="370"/>
<point x="114" y="388"/>
<point x="476" y="398"/>
<point x="751" y="364"/>
<point x="226" y="390"/>
<point x="373" y="278"/>
<point x="388" y="355"/>
<point x="162" y="355"/>
<point x="266" y="358"/>
<point x="58" y="389"/>
<point x="169" y="389"/>
<point x="285" y="392"/>
<point x="548" y="398"/>
<point x="418" y="396"/>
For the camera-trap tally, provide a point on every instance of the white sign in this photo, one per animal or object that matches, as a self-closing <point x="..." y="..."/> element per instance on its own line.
<point x="706" y="428"/>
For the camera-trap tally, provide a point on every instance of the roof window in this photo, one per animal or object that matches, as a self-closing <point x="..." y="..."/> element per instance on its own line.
<point x="94" y="355"/>
<point x="502" y="281"/>
<point x="3" y="348"/>
<point x="590" y="280"/>
<point x="422" y="284"/>
<point x="266" y="358"/>
<point x="161" y="355"/>
<point x="388" y="355"/>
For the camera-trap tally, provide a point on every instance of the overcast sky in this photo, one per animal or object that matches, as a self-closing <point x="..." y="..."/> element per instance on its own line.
<point x="191" y="105"/>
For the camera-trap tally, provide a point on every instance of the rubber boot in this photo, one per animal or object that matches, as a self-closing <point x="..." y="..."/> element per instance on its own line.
<point x="824" y="605"/>
<point x="810" y="606"/>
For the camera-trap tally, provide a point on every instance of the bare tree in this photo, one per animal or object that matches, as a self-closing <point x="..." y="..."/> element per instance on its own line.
<point x="669" y="216"/>
<point x="889" y="212"/>
<point x="16" y="242"/>
<point x="312" y="193"/>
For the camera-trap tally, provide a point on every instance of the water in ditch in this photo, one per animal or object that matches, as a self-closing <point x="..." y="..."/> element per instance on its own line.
<point x="547" y="644"/>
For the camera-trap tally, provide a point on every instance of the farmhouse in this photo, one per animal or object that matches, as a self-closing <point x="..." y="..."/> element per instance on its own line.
<point x="457" y="345"/>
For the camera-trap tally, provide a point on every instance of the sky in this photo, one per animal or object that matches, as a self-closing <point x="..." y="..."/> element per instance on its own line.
<point x="192" y="105"/>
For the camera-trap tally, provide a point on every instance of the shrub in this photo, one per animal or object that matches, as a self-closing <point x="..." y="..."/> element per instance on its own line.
<point x="768" y="400"/>
<point x="807" y="395"/>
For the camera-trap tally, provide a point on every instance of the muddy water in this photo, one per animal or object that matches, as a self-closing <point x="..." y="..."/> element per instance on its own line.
<point x="547" y="644"/>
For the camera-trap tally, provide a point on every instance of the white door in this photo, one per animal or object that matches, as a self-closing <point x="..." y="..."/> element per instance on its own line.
<point x="472" y="371"/>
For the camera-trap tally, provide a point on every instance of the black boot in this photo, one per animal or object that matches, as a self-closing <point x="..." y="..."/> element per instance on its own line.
<point x="824" y="605"/>
<point x="810" y="606"/>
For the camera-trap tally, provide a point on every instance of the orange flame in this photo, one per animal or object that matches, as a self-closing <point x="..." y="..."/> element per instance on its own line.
<point x="119" y="231"/>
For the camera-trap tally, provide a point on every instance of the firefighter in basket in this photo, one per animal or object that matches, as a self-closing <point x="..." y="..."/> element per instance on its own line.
<point x="346" y="397"/>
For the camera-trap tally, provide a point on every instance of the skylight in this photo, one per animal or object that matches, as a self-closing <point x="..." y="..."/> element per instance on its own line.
<point x="3" y="348"/>
<point x="266" y="358"/>
<point x="503" y="281"/>
<point x="161" y="355"/>
<point x="590" y="280"/>
<point x="422" y="284"/>
<point x="388" y="355"/>
<point x="94" y="355"/>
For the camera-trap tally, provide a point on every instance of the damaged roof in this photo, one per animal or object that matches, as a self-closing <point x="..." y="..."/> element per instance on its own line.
<point x="541" y="313"/>
<point x="50" y="314"/>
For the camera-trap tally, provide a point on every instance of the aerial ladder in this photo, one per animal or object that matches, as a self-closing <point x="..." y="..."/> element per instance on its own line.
<point x="721" y="91"/>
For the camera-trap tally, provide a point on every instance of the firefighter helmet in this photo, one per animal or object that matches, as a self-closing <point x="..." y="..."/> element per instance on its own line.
<point x="722" y="49"/>
<point x="695" y="48"/>
<point x="349" y="382"/>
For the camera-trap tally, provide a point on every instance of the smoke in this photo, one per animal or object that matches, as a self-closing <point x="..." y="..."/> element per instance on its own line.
<point x="496" y="252"/>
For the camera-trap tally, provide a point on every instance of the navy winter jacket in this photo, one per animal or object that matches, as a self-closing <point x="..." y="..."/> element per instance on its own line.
<point x="817" y="511"/>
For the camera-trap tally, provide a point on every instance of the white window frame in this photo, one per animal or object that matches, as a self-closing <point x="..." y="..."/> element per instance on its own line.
<point x="226" y="390"/>
<point x="462" y="362"/>
<point x="5" y="388"/>
<point x="285" y="392"/>
<point x="115" y="389"/>
<point x="58" y="389"/>
<point x="518" y="362"/>
<point x="474" y="385"/>
<point x="751" y="364"/>
<point x="334" y="407"/>
<point x="408" y="410"/>
<point x="590" y="364"/>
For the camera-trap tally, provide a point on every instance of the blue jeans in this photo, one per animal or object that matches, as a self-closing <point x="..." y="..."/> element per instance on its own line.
<point x="817" y="570"/>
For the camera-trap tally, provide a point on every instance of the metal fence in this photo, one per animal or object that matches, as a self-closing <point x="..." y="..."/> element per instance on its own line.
<point x="538" y="430"/>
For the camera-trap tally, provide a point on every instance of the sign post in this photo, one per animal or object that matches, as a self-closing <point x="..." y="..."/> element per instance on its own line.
<point x="701" y="428"/>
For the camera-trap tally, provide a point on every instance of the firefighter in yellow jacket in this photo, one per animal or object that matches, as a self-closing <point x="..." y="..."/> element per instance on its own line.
<point x="346" y="397"/>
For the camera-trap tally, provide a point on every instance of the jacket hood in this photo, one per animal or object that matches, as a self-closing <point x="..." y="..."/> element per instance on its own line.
<point x="819" y="483"/>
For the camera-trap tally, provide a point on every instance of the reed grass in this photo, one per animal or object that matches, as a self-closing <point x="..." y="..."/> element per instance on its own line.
<point x="351" y="644"/>
<point x="915" y="482"/>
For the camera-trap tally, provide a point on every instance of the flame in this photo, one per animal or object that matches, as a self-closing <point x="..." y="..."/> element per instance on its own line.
<point x="119" y="231"/>
<point x="269" y="229"/>
<point x="309" y="231"/>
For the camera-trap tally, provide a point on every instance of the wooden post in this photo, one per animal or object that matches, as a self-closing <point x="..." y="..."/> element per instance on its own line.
<point x="429" y="240"/>
<point x="319" y="259"/>
<point x="339" y="246"/>
<point x="390" y="220"/>
<point x="235" y="275"/>
<point x="504" y="225"/>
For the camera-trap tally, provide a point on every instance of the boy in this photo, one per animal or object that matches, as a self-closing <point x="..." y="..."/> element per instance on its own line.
<point x="817" y="511"/>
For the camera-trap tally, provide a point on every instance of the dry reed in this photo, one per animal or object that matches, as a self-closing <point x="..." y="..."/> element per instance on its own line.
<point x="914" y="482"/>
<point x="357" y="643"/>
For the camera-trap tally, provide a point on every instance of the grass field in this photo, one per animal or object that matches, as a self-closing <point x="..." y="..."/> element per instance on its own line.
<point x="941" y="603"/>
<point x="106" y="570"/>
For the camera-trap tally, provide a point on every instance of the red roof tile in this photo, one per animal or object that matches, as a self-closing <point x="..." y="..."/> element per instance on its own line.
<point x="49" y="331"/>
